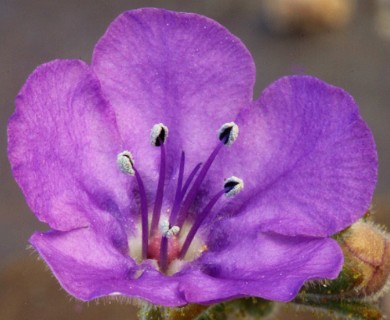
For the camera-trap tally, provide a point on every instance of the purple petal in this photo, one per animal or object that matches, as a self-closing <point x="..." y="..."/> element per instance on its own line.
<point x="181" y="69"/>
<point x="307" y="158"/>
<point x="63" y="144"/>
<point x="88" y="267"/>
<point x="262" y="265"/>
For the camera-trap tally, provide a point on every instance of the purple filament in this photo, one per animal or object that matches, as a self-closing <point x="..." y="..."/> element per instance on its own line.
<point x="198" y="222"/>
<point x="178" y="197"/>
<point x="144" y="215"/>
<point x="195" y="187"/>
<point x="159" y="193"/>
<point x="189" y="180"/>
<point x="180" y="194"/>
<point x="164" y="254"/>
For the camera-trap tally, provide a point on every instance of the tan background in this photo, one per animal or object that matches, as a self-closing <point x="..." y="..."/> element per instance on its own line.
<point x="356" y="58"/>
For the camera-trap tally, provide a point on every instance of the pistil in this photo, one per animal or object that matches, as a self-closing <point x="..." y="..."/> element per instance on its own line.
<point x="167" y="232"/>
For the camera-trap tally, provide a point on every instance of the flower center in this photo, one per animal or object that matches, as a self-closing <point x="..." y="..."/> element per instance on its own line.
<point x="169" y="239"/>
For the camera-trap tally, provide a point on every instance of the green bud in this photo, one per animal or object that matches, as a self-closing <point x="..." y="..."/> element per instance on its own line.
<point x="366" y="269"/>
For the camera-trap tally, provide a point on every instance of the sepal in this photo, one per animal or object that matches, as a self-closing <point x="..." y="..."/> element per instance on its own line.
<point x="339" y="309"/>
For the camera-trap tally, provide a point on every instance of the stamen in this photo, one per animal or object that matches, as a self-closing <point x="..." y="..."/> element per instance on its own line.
<point x="190" y="178"/>
<point x="228" y="133"/>
<point x="178" y="197"/>
<point x="198" y="222"/>
<point x="194" y="189"/>
<point x="229" y="185"/>
<point x="158" y="137"/>
<point x="158" y="134"/>
<point x="233" y="186"/>
<point x="125" y="162"/>
<point x="182" y="193"/>
<point x="144" y="215"/>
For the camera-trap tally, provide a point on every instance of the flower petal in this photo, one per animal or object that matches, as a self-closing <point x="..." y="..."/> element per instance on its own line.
<point x="269" y="266"/>
<point x="63" y="144"/>
<point x="181" y="69"/>
<point x="307" y="159"/>
<point x="88" y="267"/>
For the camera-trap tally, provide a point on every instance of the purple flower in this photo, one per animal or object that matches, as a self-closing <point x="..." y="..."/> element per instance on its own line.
<point x="160" y="178"/>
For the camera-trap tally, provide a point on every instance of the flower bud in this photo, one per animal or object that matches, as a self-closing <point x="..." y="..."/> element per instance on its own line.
<point x="366" y="250"/>
<point x="366" y="265"/>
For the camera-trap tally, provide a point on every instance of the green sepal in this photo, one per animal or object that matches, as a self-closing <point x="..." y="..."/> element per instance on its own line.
<point x="151" y="312"/>
<point x="348" y="280"/>
<point x="215" y="312"/>
<point x="190" y="311"/>
<point x="339" y="309"/>
<point x="257" y="308"/>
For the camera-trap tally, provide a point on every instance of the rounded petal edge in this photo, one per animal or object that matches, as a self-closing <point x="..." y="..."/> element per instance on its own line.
<point x="88" y="267"/>
<point x="310" y="160"/>
<point x="63" y="143"/>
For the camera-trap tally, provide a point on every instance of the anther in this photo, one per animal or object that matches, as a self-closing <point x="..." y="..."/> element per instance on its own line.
<point x="158" y="134"/>
<point x="233" y="186"/>
<point x="125" y="162"/>
<point x="228" y="133"/>
<point x="167" y="231"/>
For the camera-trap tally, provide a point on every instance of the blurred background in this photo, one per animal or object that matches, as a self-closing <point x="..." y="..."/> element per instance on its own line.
<point x="344" y="42"/>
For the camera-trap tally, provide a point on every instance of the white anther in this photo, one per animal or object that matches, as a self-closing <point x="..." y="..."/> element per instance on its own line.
<point x="168" y="232"/>
<point x="158" y="134"/>
<point x="125" y="162"/>
<point x="233" y="186"/>
<point x="230" y="129"/>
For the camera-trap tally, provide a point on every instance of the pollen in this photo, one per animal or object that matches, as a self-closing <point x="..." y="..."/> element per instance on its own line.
<point x="158" y="134"/>
<point x="125" y="162"/>
<point x="228" y="133"/>
<point x="233" y="186"/>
